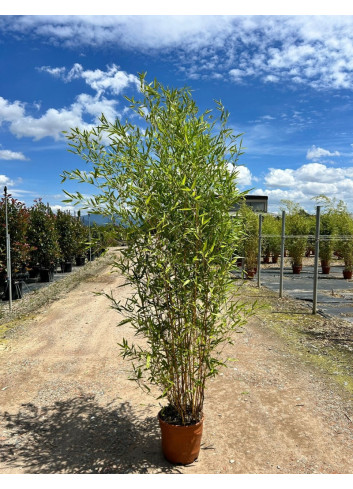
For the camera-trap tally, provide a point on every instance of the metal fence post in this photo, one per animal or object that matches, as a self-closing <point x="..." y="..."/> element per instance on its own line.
<point x="259" y="251"/>
<point x="282" y="254"/>
<point x="316" y="260"/>
<point x="8" y="253"/>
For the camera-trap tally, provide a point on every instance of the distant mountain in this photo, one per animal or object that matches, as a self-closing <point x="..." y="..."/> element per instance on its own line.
<point x="95" y="218"/>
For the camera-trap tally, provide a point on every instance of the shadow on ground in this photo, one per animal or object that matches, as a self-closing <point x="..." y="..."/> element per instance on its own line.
<point x="78" y="436"/>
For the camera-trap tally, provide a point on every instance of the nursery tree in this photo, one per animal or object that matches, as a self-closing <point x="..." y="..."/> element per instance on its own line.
<point x="79" y="237"/>
<point x="272" y="228"/>
<point x="43" y="235"/>
<point x="171" y="180"/>
<point x="297" y="226"/>
<point x="250" y="237"/>
<point x="329" y="220"/>
<point x="344" y="245"/>
<point x="65" y="226"/>
<point x="17" y="225"/>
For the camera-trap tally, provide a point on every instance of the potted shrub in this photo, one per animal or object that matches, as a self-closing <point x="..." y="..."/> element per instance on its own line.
<point x="43" y="236"/>
<point x="344" y="242"/>
<point x="329" y="222"/>
<point x="327" y="243"/>
<point x="176" y="183"/>
<point x="297" y="228"/>
<point x="346" y="251"/>
<point x="250" y="238"/>
<point x="20" y="250"/>
<point x="65" y="226"/>
<point x="272" y="228"/>
<point x="80" y="238"/>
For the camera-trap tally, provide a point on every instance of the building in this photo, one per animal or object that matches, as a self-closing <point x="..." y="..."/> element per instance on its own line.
<point x="258" y="203"/>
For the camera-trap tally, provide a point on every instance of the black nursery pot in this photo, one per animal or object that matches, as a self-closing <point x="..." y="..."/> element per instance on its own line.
<point x="46" y="275"/>
<point x="16" y="291"/>
<point x="66" y="267"/>
<point x="80" y="261"/>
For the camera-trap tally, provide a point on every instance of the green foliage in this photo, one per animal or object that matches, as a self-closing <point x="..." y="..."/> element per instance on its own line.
<point x="336" y="221"/>
<point x="344" y="246"/>
<point x="171" y="184"/>
<point x="17" y="228"/>
<point x="104" y="236"/>
<point x="250" y="236"/>
<point x="328" y="231"/>
<point x="79" y="237"/>
<point x="66" y="225"/>
<point x="43" y="235"/>
<point x="297" y="227"/>
<point x="272" y="227"/>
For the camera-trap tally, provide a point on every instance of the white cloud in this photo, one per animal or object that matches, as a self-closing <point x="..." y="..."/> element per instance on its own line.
<point x="10" y="111"/>
<point x="307" y="181"/>
<point x="142" y="31"/>
<point x="4" y="180"/>
<point x="84" y="112"/>
<point x="313" y="50"/>
<point x="237" y="75"/>
<point x="6" y="154"/>
<point x="51" y="124"/>
<point x="113" y="80"/>
<point x="315" y="153"/>
<point x="280" y="178"/>
<point x="57" y="72"/>
<point x="66" y="208"/>
<point x="244" y="177"/>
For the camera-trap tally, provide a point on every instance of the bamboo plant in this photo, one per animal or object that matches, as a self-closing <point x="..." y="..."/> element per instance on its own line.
<point x="297" y="227"/>
<point x="272" y="228"/>
<point x="250" y="238"/>
<point x="171" y="180"/>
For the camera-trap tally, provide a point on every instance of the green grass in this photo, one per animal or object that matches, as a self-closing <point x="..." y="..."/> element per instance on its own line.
<point x="313" y="338"/>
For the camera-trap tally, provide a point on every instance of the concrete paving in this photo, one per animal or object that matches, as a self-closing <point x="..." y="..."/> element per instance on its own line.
<point x="30" y="285"/>
<point x="335" y="294"/>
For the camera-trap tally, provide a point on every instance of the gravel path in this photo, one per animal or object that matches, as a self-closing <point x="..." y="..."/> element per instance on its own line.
<point x="67" y="405"/>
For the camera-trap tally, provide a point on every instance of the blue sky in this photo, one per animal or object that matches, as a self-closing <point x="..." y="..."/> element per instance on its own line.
<point x="286" y="80"/>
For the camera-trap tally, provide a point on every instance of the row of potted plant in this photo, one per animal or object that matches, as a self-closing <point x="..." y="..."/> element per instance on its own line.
<point x="336" y="236"/>
<point x="41" y="240"/>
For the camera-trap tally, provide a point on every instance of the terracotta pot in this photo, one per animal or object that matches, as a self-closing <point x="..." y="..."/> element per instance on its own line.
<point x="181" y="444"/>
<point x="296" y="269"/>
<point x="267" y="259"/>
<point x="325" y="269"/>
<point x="274" y="258"/>
<point x="347" y="274"/>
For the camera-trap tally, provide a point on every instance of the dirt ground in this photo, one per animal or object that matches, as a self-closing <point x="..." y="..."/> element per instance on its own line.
<point x="67" y="406"/>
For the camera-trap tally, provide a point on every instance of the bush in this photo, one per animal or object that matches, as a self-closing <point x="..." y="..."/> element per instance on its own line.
<point x="272" y="226"/>
<point x="250" y="236"/>
<point x="79" y="237"/>
<point x="43" y="236"/>
<point x="298" y="227"/>
<point x="65" y="225"/>
<point x="171" y="185"/>
<point x="17" y="228"/>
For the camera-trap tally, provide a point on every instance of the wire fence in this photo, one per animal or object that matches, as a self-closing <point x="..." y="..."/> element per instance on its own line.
<point x="316" y="239"/>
